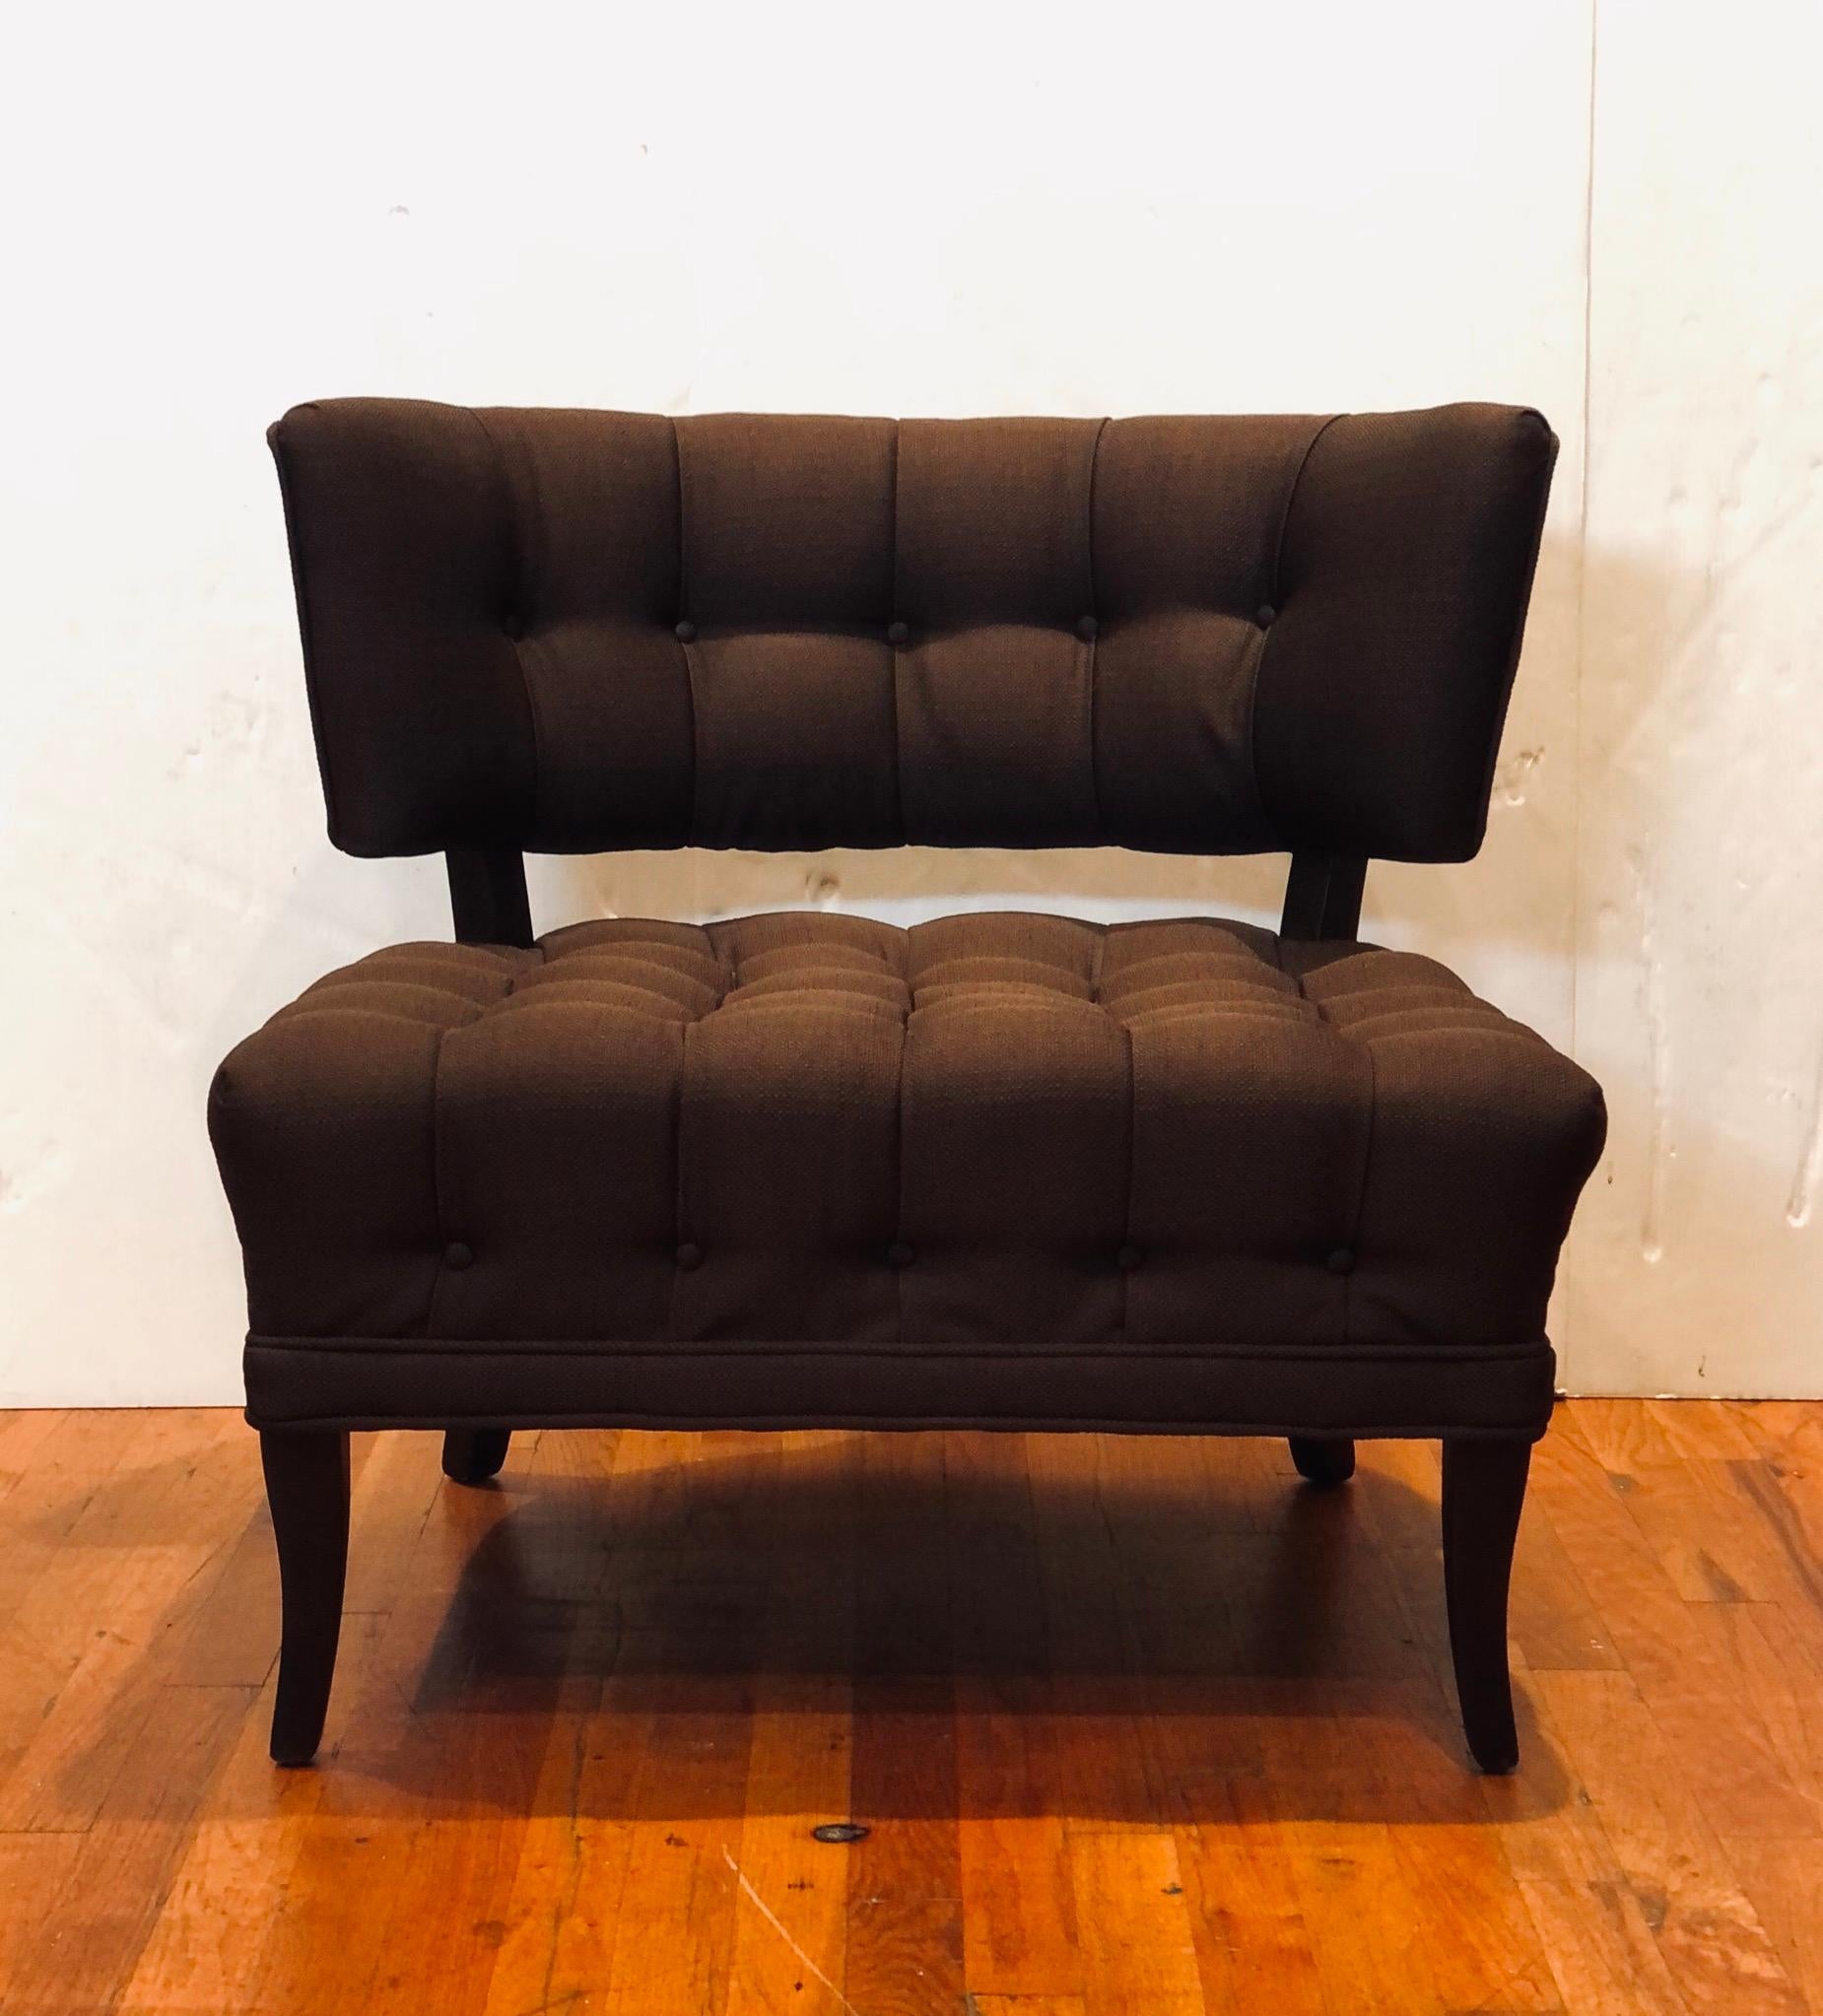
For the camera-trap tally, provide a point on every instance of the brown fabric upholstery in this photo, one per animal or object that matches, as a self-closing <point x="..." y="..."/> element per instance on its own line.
<point x="995" y="1168"/>
<point x="566" y="631"/>
<point x="647" y="1168"/>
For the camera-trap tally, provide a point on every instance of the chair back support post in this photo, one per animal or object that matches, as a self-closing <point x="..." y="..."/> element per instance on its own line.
<point x="1322" y="896"/>
<point x="487" y="895"/>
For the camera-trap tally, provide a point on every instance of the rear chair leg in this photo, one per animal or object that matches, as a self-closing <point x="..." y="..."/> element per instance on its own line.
<point x="471" y="1455"/>
<point x="1324" y="1459"/>
<point x="306" y="1486"/>
<point x="1484" y="1486"/>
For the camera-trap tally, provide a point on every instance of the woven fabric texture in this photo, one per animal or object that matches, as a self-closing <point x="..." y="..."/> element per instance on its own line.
<point x="572" y="631"/>
<point x="999" y="1131"/>
<point x="997" y="1168"/>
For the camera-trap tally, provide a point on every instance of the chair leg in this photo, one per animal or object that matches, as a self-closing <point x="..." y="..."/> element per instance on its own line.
<point x="471" y="1455"/>
<point x="1324" y="1459"/>
<point x="1484" y="1486"/>
<point x="306" y="1486"/>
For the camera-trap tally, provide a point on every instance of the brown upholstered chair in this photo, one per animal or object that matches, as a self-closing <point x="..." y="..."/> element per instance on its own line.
<point x="998" y="1169"/>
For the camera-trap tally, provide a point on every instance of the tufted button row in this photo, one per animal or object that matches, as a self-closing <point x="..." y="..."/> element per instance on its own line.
<point x="458" y="1255"/>
<point x="512" y="625"/>
<point x="1021" y="1101"/>
<point x="1145" y="977"/>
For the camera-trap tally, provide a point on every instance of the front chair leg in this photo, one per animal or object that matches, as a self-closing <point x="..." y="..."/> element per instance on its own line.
<point x="306" y="1486"/>
<point x="1484" y="1486"/>
<point x="471" y="1455"/>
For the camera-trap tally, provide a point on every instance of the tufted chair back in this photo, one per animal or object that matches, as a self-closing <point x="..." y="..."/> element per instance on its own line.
<point x="568" y="632"/>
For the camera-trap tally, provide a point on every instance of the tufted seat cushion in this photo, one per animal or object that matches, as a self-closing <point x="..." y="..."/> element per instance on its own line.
<point x="803" y="1167"/>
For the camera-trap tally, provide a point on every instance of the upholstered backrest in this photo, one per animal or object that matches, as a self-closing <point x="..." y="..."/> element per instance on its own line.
<point x="567" y="632"/>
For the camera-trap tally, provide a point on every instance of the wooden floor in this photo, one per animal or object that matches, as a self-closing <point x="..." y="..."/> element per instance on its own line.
<point x="1136" y="1725"/>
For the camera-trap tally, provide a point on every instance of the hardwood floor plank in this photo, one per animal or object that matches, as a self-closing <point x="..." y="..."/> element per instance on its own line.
<point x="1692" y="1676"/>
<point x="1138" y="1956"/>
<point x="446" y="1923"/>
<point x="1097" y="1697"/>
<point x="1668" y="1856"/>
<point x="1783" y="1881"/>
<point x="84" y="1662"/>
<point x="904" y="1948"/>
<point x="1789" y="1503"/>
<point x="563" y="1916"/>
<point x="675" y="1927"/>
<point x="1620" y="1434"/>
<point x="543" y="1926"/>
<point x="23" y="1432"/>
<point x="1019" y="1917"/>
<point x="679" y="1522"/>
<point x="790" y="1927"/>
<point x="236" y="1882"/>
<point x="1601" y="1950"/>
<point x="1135" y="1722"/>
<point x="1681" y="1653"/>
<point x="1702" y="1429"/>
<point x="1019" y="1933"/>
<point x="1468" y="1911"/>
<point x="1246" y="1920"/>
<point x="99" y="1920"/>
<point x="1361" y="1916"/>
<point x="1715" y="1527"/>
<point x="1786" y="1430"/>
<point x="1372" y="1785"/>
<point x="401" y="1757"/>
<point x="34" y="1871"/>
<point x="1542" y="1816"/>
<point x="68" y="1466"/>
<point x="1480" y="1938"/>
<point x="1553" y="1623"/>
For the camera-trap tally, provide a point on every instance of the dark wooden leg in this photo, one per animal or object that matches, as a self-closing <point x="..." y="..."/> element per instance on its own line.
<point x="471" y="1455"/>
<point x="1484" y="1486"/>
<point x="307" y="1485"/>
<point x="1324" y="1459"/>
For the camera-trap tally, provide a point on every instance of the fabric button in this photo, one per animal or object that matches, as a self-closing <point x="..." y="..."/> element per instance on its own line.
<point x="1265" y="615"/>
<point x="898" y="633"/>
<point x="688" y="1257"/>
<point x="1341" y="1261"/>
<point x="513" y="625"/>
<point x="686" y="632"/>
<point x="1085" y="629"/>
<point x="1130" y="1257"/>
<point x="458" y="1255"/>
<point x="899" y="1254"/>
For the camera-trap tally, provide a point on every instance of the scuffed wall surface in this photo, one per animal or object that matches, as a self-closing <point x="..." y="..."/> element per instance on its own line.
<point x="1699" y="1266"/>
<point x="1022" y="209"/>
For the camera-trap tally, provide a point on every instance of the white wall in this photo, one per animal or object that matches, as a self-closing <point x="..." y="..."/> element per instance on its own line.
<point x="1699" y="1264"/>
<point x="216" y="211"/>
